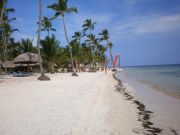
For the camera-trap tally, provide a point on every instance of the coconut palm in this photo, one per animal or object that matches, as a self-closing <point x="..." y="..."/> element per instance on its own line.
<point x="89" y="26"/>
<point x="7" y="30"/>
<point x="105" y="37"/>
<point x="61" y="9"/>
<point x="110" y="50"/>
<point x="77" y="37"/>
<point x="43" y="76"/>
<point x="13" y="49"/>
<point x="47" y="25"/>
<point x="76" y="51"/>
<point x="50" y="46"/>
<point x="86" y="54"/>
<point x="26" y="45"/>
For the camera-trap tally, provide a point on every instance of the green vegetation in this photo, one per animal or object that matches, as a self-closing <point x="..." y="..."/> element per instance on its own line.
<point x="61" y="9"/>
<point x="105" y="36"/>
<point x="84" y="50"/>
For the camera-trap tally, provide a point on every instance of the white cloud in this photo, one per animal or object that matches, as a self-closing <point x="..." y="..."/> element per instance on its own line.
<point x="100" y="18"/>
<point x="146" y="25"/>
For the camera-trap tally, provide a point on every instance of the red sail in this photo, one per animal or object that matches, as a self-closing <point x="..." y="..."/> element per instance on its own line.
<point x="116" y="60"/>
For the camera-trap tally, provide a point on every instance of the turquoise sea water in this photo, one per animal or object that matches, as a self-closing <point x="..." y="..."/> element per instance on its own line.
<point x="165" y="78"/>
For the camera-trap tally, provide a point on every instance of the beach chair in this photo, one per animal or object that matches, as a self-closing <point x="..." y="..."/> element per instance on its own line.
<point x="17" y="74"/>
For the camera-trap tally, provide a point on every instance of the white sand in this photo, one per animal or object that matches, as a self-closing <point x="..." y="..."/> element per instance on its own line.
<point x="84" y="105"/>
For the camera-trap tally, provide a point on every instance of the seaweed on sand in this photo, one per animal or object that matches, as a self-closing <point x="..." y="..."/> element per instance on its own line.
<point x="143" y="114"/>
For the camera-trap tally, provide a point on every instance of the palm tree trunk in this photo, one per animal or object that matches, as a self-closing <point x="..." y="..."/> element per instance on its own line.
<point x="39" y="35"/>
<point x="110" y="52"/>
<point x="2" y="13"/>
<point x="76" y="65"/>
<point x="48" y="34"/>
<point x="92" y="53"/>
<point x="4" y="36"/>
<point x="70" y="49"/>
<point x="5" y="53"/>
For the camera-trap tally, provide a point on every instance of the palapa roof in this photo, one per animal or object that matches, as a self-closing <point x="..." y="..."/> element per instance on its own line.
<point x="8" y="64"/>
<point x="25" y="65"/>
<point x="26" y="58"/>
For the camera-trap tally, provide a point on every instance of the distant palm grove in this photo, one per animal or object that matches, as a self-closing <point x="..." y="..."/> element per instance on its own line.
<point x="83" y="49"/>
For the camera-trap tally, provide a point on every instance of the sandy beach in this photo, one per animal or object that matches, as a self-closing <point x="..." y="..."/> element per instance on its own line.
<point x="66" y="105"/>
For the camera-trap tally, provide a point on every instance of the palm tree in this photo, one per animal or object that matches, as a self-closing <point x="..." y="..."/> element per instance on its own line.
<point x="105" y="36"/>
<point x="110" y="51"/>
<point x="86" y="54"/>
<point x="6" y="29"/>
<point x="77" y="38"/>
<point x="43" y="76"/>
<point x="76" y="51"/>
<point x="26" y="45"/>
<point x="89" y="25"/>
<point x="61" y="9"/>
<point x="13" y="49"/>
<point x="50" y="48"/>
<point x="47" y="25"/>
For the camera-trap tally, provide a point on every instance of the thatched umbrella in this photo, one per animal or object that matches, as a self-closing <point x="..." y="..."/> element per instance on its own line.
<point x="8" y="64"/>
<point x="26" y="58"/>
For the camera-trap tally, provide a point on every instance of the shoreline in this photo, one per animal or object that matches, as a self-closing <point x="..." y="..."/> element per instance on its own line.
<point x="166" y="108"/>
<point x="144" y="115"/>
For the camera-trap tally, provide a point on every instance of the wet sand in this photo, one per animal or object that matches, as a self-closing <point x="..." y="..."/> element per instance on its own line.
<point x="165" y="108"/>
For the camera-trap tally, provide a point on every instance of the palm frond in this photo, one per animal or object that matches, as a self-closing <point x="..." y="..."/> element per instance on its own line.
<point x="10" y="10"/>
<point x="54" y="6"/>
<point x="53" y="29"/>
<point x="10" y="20"/>
<point x="71" y="10"/>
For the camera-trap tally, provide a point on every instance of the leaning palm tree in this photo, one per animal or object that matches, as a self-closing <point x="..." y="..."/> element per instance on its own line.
<point x="61" y="9"/>
<point x="89" y="25"/>
<point x="43" y="76"/>
<point x="47" y="25"/>
<point x="105" y="36"/>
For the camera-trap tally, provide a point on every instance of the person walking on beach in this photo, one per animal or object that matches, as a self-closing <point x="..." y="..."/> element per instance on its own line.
<point x="105" y="65"/>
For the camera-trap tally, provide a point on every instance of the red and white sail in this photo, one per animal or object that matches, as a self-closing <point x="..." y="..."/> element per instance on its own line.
<point x="117" y="60"/>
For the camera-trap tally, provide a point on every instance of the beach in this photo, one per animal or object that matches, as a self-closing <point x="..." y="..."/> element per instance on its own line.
<point x="86" y="105"/>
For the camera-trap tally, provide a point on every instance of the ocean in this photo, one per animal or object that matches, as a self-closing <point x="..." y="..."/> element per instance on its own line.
<point x="164" y="78"/>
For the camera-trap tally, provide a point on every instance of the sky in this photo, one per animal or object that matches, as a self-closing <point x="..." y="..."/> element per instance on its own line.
<point x="144" y="32"/>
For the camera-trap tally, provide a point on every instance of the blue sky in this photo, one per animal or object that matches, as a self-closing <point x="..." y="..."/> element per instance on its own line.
<point x="144" y="32"/>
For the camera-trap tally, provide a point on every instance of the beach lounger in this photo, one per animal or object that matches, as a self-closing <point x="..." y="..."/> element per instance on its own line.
<point x="20" y="74"/>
